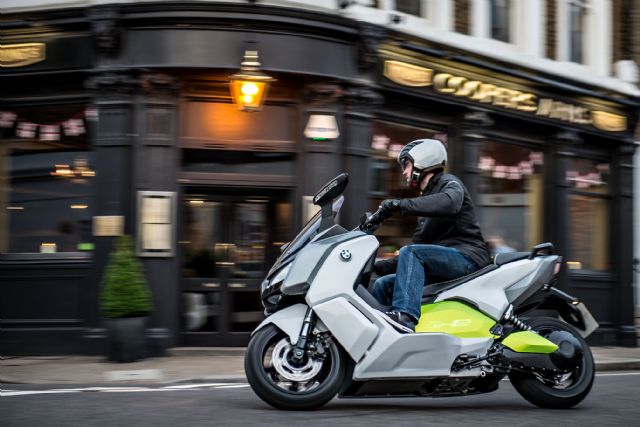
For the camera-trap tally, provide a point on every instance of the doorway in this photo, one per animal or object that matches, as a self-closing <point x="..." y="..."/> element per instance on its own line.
<point x="229" y="240"/>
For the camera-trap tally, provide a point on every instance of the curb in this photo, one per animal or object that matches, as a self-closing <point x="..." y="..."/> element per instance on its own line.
<point x="206" y="351"/>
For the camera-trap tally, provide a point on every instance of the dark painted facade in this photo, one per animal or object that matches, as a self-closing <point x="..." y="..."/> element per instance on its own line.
<point x="155" y="79"/>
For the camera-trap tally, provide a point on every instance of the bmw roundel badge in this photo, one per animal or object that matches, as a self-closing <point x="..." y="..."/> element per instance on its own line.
<point x="345" y="255"/>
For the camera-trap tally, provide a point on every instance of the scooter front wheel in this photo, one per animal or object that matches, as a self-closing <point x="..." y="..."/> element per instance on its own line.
<point x="286" y="384"/>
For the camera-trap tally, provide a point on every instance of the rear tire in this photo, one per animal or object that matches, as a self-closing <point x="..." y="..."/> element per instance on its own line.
<point x="577" y="383"/>
<point x="282" y="393"/>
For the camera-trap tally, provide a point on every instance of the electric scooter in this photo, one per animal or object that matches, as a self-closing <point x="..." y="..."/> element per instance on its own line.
<point x="325" y="335"/>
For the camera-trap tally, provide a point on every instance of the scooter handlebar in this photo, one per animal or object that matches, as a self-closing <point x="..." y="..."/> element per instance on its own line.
<point x="374" y="221"/>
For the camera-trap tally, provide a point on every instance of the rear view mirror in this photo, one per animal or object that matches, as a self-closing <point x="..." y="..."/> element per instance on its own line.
<point x="331" y="190"/>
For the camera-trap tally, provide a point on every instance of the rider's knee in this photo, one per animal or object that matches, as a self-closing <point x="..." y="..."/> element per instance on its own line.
<point x="406" y="250"/>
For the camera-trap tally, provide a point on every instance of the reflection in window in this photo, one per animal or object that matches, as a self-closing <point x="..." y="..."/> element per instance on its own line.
<point x="500" y="10"/>
<point x="510" y="197"/>
<point x="202" y="311"/>
<point x="589" y="206"/>
<point x="411" y="7"/>
<point x="230" y="240"/>
<point x="577" y="17"/>
<point x="45" y="192"/>
<point x="250" y="238"/>
<point x="386" y="180"/>
<point x="222" y="234"/>
<point x="247" y="311"/>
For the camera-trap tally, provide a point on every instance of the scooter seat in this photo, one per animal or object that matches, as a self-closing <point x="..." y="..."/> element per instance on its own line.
<point x="432" y="290"/>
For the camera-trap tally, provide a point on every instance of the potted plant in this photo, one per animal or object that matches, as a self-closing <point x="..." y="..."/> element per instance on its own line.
<point x="125" y="302"/>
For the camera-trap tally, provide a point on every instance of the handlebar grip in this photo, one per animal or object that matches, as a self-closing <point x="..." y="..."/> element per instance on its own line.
<point x="374" y="220"/>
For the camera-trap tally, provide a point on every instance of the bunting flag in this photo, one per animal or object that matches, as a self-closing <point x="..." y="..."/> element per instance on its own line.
<point x="47" y="132"/>
<point x="7" y="119"/>
<point x="26" y="130"/>
<point x="73" y="127"/>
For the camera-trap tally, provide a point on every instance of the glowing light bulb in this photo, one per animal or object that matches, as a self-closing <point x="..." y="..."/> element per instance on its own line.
<point x="249" y="89"/>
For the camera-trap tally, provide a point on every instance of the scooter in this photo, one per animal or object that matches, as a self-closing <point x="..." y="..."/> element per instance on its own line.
<point x="325" y="335"/>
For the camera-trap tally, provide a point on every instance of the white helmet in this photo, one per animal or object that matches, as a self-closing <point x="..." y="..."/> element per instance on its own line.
<point x="426" y="155"/>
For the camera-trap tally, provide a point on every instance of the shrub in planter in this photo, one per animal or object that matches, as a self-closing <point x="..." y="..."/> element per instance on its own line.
<point x="125" y="302"/>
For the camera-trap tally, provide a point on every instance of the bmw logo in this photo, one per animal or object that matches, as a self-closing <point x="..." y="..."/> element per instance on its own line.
<point x="345" y="255"/>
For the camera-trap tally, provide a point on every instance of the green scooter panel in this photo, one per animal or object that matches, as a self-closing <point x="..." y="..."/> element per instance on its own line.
<point x="455" y="318"/>
<point x="529" y="342"/>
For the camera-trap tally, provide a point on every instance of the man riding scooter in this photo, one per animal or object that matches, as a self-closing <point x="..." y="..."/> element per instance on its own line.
<point x="448" y="242"/>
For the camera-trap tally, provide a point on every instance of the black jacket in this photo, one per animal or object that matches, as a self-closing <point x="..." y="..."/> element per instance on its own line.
<point x="447" y="218"/>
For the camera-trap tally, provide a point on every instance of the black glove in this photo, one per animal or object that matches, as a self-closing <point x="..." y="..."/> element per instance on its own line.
<point x="390" y="206"/>
<point x="386" y="266"/>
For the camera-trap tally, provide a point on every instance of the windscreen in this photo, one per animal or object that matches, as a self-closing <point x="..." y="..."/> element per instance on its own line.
<point x="305" y="235"/>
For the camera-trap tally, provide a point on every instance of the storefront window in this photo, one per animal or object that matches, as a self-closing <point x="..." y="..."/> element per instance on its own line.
<point x="386" y="180"/>
<point x="510" y="197"/>
<point x="589" y="214"/>
<point x="46" y="177"/>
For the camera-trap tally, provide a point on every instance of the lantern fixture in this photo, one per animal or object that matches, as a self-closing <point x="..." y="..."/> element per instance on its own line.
<point x="249" y="86"/>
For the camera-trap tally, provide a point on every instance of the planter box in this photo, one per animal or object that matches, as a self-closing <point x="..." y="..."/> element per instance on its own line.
<point x="126" y="340"/>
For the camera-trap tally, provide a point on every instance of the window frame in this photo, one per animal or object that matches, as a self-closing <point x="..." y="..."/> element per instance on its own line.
<point x="563" y="31"/>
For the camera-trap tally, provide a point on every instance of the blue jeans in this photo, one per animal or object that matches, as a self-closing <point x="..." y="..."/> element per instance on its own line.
<point x="417" y="266"/>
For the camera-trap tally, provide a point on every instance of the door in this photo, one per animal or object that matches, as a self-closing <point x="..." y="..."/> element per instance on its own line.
<point x="229" y="240"/>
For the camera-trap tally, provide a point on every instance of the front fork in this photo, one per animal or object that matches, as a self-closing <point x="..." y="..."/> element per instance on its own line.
<point x="308" y="324"/>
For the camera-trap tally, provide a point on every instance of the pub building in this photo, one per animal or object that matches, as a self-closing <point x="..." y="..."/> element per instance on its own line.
<point x="119" y="119"/>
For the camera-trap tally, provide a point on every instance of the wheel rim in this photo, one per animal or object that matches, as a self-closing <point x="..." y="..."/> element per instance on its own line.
<point x="292" y="377"/>
<point x="566" y="380"/>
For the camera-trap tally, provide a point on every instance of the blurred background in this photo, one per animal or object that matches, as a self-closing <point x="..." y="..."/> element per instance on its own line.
<point x="204" y="128"/>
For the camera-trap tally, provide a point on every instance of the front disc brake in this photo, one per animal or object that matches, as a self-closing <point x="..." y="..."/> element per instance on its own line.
<point x="293" y="372"/>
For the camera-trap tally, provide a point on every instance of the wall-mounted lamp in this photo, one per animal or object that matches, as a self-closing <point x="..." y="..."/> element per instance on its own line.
<point x="249" y="85"/>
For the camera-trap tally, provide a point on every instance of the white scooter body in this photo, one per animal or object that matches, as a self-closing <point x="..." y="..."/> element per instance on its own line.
<point x="333" y="265"/>
<point x="320" y="317"/>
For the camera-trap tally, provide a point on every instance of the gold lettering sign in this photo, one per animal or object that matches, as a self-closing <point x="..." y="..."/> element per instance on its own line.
<point x="487" y="93"/>
<point x="563" y="111"/>
<point x="407" y="74"/>
<point x="484" y="92"/>
<point x="609" y="121"/>
<point x="19" y="55"/>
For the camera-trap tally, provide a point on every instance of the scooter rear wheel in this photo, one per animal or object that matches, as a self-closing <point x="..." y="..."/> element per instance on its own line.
<point x="285" y="384"/>
<point x="566" y="390"/>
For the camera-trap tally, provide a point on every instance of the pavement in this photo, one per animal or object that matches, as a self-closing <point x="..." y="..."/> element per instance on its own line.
<point x="193" y="364"/>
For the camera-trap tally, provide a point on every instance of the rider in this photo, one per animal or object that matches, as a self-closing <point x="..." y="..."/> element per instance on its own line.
<point x="448" y="242"/>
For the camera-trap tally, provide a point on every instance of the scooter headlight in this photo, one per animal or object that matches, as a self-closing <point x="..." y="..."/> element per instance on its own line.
<point x="277" y="279"/>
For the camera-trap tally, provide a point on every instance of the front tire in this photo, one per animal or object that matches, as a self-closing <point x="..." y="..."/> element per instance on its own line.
<point x="563" y="391"/>
<point x="283" y="384"/>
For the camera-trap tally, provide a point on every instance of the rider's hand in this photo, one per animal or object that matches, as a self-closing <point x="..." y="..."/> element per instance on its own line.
<point x="390" y="206"/>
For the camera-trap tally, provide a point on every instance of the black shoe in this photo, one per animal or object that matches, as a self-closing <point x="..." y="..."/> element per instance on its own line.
<point x="403" y="322"/>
